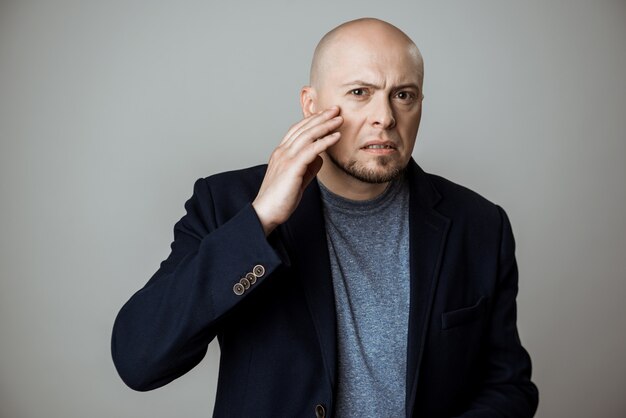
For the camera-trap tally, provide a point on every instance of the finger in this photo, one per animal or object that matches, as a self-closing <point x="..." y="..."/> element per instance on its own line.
<point x="312" y="134"/>
<point x="312" y="120"/>
<point x="317" y="119"/>
<point x="297" y="126"/>
<point x="309" y="153"/>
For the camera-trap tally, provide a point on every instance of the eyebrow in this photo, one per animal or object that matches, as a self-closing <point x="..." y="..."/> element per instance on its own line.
<point x="375" y="86"/>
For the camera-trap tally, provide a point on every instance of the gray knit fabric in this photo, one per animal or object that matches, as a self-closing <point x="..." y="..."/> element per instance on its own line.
<point x="368" y="244"/>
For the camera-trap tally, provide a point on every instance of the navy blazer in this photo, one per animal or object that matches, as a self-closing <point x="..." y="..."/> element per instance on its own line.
<point x="278" y="335"/>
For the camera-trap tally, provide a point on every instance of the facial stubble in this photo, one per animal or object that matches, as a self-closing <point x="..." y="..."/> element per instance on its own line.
<point x="357" y="170"/>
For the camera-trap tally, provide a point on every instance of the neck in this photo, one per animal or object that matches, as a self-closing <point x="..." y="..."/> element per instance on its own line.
<point x="346" y="186"/>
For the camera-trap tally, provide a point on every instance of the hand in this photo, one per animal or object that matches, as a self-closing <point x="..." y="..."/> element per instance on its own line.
<point x="292" y="166"/>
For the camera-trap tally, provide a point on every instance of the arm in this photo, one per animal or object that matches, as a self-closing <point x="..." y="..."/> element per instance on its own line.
<point x="506" y="390"/>
<point x="164" y="329"/>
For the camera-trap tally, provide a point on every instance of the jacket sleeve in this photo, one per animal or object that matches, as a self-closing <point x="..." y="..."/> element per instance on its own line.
<point x="506" y="389"/>
<point x="164" y="329"/>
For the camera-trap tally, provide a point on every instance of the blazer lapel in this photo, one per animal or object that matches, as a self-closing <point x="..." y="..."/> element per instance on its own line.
<point x="306" y="233"/>
<point x="428" y="231"/>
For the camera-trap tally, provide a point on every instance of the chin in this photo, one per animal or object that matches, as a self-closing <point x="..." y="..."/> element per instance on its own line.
<point x="381" y="169"/>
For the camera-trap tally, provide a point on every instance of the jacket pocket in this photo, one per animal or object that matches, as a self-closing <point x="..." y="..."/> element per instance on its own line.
<point x="462" y="316"/>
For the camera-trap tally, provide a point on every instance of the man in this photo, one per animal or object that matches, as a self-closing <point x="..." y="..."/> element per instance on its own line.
<point x="340" y="279"/>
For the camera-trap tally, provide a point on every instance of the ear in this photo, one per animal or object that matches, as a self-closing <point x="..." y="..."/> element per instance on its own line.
<point x="308" y="101"/>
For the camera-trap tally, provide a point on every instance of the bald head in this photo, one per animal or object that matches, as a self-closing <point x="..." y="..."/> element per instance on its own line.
<point x="372" y="36"/>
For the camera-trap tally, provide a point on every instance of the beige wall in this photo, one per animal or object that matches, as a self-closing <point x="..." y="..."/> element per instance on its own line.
<point x="110" y="110"/>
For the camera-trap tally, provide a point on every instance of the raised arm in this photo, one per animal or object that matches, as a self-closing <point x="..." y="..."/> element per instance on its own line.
<point x="219" y="256"/>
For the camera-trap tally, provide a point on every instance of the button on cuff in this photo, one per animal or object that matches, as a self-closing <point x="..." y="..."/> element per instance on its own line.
<point x="238" y="289"/>
<point x="245" y="282"/>
<point x="251" y="278"/>
<point x="258" y="270"/>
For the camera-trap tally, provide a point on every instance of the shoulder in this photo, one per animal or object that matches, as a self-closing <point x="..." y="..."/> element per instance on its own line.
<point x="241" y="182"/>
<point x="455" y="192"/>
<point x="462" y="203"/>
<point x="220" y="196"/>
<point x="241" y="176"/>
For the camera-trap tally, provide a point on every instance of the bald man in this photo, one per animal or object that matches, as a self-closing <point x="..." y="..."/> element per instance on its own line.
<point x="339" y="279"/>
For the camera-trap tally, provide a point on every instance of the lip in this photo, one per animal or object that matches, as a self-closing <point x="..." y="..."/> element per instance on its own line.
<point x="391" y="147"/>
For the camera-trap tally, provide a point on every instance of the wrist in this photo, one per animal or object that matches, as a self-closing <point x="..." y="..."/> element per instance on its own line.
<point x="267" y="223"/>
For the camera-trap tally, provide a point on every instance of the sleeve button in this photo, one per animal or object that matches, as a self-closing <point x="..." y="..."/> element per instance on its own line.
<point x="245" y="282"/>
<point x="238" y="289"/>
<point x="251" y="278"/>
<point x="258" y="270"/>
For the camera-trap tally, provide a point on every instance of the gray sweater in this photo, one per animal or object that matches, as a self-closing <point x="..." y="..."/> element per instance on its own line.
<point x="368" y="245"/>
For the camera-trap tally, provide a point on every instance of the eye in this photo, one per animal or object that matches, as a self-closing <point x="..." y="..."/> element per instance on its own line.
<point x="358" y="92"/>
<point x="405" y="96"/>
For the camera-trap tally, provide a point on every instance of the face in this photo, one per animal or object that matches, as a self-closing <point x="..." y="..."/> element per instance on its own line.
<point x="378" y="89"/>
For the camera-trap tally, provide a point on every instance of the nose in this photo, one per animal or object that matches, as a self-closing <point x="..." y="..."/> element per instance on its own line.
<point x="381" y="113"/>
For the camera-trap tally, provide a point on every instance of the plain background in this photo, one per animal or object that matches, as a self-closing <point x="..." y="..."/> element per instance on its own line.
<point x="109" y="110"/>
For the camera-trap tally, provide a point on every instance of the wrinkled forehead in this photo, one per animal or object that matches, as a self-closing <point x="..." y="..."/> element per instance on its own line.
<point x="376" y="62"/>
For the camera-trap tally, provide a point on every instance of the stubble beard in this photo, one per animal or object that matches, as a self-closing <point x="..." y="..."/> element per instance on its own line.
<point x="390" y="169"/>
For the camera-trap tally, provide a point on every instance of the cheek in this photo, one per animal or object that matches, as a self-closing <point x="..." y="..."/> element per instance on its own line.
<point x="353" y="109"/>
<point x="350" y="110"/>
<point x="353" y="117"/>
<point x="409" y="125"/>
<point x="349" y="136"/>
<point x="350" y="126"/>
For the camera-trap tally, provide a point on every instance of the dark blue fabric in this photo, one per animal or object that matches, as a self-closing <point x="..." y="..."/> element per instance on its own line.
<point x="278" y="339"/>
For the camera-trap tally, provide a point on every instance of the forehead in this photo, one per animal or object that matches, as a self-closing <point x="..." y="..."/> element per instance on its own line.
<point x="375" y="62"/>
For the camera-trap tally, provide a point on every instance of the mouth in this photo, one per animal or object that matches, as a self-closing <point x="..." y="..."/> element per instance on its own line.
<point x="379" y="147"/>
